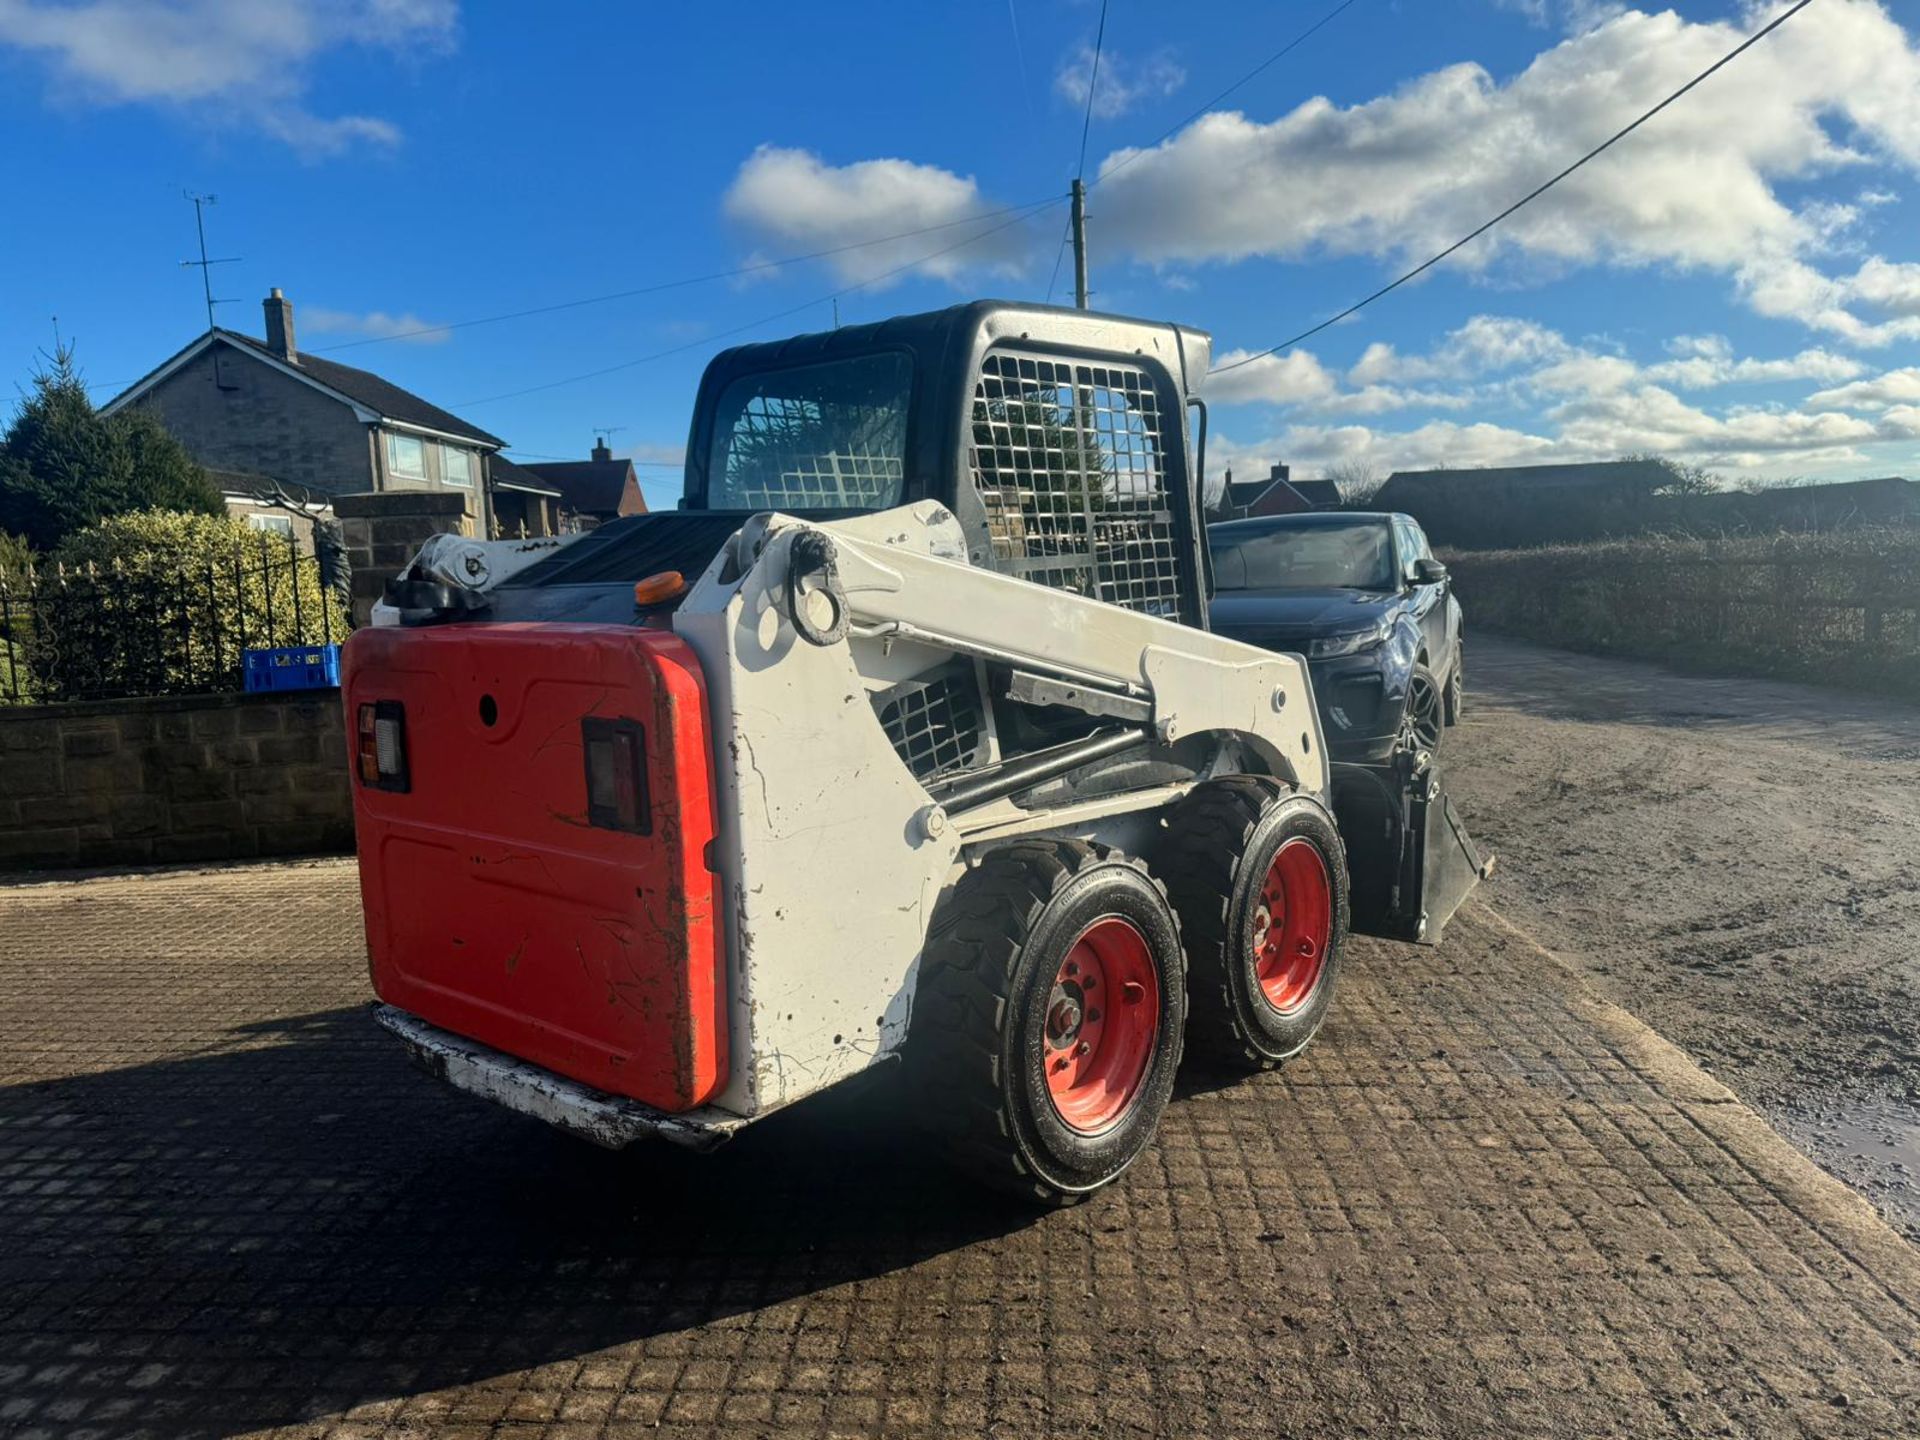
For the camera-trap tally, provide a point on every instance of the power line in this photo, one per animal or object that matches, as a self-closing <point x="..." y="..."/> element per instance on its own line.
<point x="1530" y="196"/>
<point x="1266" y="64"/>
<point x="570" y="459"/>
<point x="754" y="269"/>
<point x="1066" y="234"/>
<point x="1093" y="82"/>
<point x="1022" y="214"/>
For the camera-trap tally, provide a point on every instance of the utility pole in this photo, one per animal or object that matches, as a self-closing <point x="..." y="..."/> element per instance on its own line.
<point x="1079" y="243"/>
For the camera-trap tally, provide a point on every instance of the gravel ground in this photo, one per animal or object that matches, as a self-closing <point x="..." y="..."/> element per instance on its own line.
<point x="1736" y="862"/>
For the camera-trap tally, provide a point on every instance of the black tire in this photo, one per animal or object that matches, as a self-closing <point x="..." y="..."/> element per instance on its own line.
<point x="1425" y="719"/>
<point x="1457" y="684"/>
<point x="1221" y="843"/>
<point x="980" y="1046"/>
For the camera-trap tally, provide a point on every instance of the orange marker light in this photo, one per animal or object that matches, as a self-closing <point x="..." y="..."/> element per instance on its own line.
<point x="667" y="585"/>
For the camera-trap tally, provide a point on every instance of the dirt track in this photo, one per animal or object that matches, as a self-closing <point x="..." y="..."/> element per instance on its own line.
<point x="1737" y="863"/>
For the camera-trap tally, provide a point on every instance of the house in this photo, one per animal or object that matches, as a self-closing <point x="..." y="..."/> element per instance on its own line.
<point x="592" y="491"/>
<point x="1277" y="494"/>
<point x="264" y="418"/>
<point x="1526" y="504"/>
<point x="1320" y="494"/>
<point x="523" y="503"/>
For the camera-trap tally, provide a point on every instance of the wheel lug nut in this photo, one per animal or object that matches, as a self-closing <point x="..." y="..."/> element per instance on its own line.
<point x="1092" y="1016"/>
<point x="1082" y="1048"/>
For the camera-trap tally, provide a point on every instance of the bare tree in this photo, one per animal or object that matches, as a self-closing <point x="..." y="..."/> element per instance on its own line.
<point x="1683" y="479"/>
<point x="1357" y="478"/>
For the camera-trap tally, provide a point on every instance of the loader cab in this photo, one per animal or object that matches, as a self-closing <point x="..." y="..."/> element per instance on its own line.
<point x="1060" y="439"/>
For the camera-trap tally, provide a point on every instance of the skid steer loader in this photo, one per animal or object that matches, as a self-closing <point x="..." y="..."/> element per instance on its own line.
<point x="902" y="739"/>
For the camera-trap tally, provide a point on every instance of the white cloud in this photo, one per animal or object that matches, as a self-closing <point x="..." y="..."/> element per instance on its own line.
<point x="1485" y="344"/>
<point x="374" y="324"/>
<point x="1293" y="378"/>
<point x="795" y="198"/>
<point x="232" y="61"/>
<point x="1599" y="404"/>
<point x="1404" y="175"/>
<point x="1756" y="441"/>
<point x="1570" y="14"/>
<point x="1894" y="389"/>
<point x="1122" y="84"/>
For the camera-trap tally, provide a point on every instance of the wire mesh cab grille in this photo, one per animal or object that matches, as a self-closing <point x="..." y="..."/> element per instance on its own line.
<point x="815" y="437"/>
<point x="934" y="722"/>
<point x="1069" y="463"/>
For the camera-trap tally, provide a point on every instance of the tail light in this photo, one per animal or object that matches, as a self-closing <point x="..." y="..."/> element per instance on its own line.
<point x="616" y="774"/>
<point x="382" y="745"/>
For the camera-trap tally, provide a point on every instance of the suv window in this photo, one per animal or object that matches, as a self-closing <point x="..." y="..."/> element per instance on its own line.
<point x="1413" y="546"/>
<point x="813" y="437"/>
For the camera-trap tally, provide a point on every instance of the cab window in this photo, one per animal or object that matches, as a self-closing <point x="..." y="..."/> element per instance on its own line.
<point x="813" y="437"/>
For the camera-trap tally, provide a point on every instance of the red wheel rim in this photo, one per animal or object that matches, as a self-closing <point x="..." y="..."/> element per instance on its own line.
<point x="1102" y="1017"/>
<point x="1293" y="925"/>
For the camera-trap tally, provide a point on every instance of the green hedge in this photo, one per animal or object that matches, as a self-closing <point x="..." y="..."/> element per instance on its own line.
<point x="157" y="603"/>
<point x="1842" y="608"/>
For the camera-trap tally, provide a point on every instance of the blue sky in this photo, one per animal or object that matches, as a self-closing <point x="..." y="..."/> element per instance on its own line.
<point x="1738" y="285"/>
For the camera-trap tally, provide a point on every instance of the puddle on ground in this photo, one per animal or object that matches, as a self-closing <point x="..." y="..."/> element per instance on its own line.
<point x="1876" y="1148"/>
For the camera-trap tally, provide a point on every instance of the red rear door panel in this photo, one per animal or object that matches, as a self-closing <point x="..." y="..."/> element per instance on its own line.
<point x="494" y="909"/>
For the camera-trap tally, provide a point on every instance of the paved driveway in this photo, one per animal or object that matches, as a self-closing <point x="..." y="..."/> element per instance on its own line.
<point x="1486" y="1204"/>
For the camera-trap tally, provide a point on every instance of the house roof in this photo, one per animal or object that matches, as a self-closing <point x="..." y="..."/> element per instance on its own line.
<point x="503" y="474"/>
<point x="1242" y="493"/>
<point x="590" y="487"/>
<point x="360" y="388"/>
<point x="1318" y="492"/>
<point x="1648" y="474"/>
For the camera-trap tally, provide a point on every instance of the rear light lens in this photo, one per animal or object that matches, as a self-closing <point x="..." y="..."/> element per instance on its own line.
<point x="616" y="774"/>
<point x="382" y="745"/>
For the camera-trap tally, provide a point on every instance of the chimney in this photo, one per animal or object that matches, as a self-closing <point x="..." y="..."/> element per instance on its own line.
<point x="1280" y="472"/>
<point x="280" y="326"/>
<point x="600" y="450"/>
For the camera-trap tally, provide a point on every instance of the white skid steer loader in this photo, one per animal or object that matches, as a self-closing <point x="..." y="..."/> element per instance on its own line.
<point x="933" y="761"/>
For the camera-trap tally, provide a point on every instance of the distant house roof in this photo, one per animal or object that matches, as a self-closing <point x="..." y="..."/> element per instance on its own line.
<point x="1242" y="493"/>
<point x="503" y="474"/>
<point x="590" y="487"/>
<point x="1318" y="492"/>
<point x="1605" y="474"/>
<point x="381" y="399"/>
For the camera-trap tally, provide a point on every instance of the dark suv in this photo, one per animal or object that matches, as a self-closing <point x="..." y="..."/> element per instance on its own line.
<point x="1361" y="597"/>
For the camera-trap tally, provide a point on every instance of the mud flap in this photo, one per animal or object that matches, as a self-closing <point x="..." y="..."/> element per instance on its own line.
<point x="1410" y="859"/>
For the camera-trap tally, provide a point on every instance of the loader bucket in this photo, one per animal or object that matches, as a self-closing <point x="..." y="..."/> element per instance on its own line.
<point x="1410" y="859"/>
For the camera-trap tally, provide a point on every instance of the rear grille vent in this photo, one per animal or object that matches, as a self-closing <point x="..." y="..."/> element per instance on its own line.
<point x="934" y="723"/>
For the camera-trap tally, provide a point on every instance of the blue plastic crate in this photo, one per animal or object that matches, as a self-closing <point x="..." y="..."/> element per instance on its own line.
<point x="294" y="667"/>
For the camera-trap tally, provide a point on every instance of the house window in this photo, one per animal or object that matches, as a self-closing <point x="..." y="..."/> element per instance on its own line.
<point x="456" y="466"/>
<point x="281" y="525"/>
<point x="407" y="456"/>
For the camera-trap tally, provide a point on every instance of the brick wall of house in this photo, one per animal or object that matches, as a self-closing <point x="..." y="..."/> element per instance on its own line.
<point x="261" y="422"/>
<point x="205" y="777"/>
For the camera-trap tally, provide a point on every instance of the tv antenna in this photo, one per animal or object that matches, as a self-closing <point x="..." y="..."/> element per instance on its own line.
<point x="604" y="433"/>
<point x="200" y="203"/>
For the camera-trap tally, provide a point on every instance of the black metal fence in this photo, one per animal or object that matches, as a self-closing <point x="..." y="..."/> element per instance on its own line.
<point x="162" y="626"/>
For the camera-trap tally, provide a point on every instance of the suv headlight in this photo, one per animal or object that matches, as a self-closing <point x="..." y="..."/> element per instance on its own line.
<point x="1352" y="643"/>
